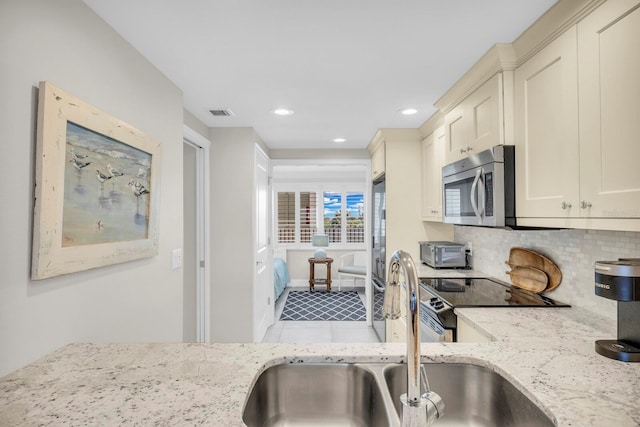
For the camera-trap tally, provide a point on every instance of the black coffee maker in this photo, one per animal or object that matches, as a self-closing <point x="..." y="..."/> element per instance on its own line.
<point x="620" y="281"/>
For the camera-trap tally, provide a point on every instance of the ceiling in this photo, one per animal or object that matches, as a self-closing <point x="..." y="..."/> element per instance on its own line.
<point x="345" y="67"/>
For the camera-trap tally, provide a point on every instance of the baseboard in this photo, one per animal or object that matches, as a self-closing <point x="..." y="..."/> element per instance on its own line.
<point x="298" y="283"/>
<point x="346" y="284"/>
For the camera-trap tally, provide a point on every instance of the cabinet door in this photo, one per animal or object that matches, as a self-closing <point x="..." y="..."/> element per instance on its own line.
<point x="546" y="132"/>
<point x="609" y="89"/>
<point x="378" y="162"/>
<point x="467" y="333"/>
<point x="476" y="124"/>
<point x="458" y="133"/>
<point x="432" y="162"/>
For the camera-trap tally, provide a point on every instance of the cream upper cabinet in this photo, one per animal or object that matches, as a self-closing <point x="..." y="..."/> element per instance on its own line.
<point x="577" y="125"/>
<point x="433" y="159"/>
<point x="546" y="131"/>
<point x="609" y="94"/>
<point x="378" y="162"/>
<point x="476" y="123"/>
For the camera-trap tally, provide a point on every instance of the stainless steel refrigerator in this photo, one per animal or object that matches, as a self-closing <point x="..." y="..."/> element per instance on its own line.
<point x="378" y="261"/>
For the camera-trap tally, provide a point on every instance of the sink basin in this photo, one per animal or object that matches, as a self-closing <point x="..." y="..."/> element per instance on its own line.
<point x="473" y="396"/>
<point x="316" y="394"/>
<point x="368" y="394"/>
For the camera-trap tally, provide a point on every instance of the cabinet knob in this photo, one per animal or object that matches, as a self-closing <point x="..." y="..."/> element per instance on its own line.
<point x="565" y="205"/>
<point x="585" y="205"/>
<point x="469" y="149"/>
<point x="462" y="150"/>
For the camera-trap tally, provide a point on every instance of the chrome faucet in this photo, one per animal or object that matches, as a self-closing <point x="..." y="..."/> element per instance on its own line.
<point x="419" y="410"/>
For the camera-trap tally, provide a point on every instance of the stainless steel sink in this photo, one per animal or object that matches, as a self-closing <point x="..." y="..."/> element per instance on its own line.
<point x="330" y="394"/>
<point x="473" y="396"/>
<point x="339" y="394"/>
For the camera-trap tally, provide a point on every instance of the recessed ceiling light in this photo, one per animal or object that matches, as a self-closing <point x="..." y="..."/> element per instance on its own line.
<point x="283" y="112"/>
<point x="339" y="139"/>
<point x="408" y="111"/>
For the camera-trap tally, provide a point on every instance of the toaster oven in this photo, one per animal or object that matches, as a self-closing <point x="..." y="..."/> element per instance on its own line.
<point x="438" y="254"/>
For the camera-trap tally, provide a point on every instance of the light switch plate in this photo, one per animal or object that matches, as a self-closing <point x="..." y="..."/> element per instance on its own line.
<point x="176" y="258"/>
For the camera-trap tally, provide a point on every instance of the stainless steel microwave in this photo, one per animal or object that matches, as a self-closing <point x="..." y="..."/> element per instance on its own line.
<point x="480" y="189"/>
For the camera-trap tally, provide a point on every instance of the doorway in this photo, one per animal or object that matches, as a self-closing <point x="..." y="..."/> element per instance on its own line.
<point x="196" y="270"/>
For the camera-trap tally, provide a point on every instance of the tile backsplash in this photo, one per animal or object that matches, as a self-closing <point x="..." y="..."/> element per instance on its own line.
<point x="574" y="251"/>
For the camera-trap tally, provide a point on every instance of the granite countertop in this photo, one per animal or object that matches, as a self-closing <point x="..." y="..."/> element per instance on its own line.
<point x="547" y="353"/>
<point x="207" y="384"/>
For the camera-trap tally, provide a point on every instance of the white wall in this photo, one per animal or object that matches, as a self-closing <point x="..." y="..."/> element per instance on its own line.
<point x="66" y="43"/>
<point x="232" y="233"/>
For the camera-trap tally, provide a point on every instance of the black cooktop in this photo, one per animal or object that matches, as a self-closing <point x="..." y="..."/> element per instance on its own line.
<point x="484" y="292"/>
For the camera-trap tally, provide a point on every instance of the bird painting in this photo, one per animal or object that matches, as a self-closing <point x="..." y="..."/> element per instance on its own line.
<point x="137" y="188"/>
<point x="113" y="171"/>
<point x="79" y="164"/>
<point x="102" y="178"/>
<point x="77" y="156"/>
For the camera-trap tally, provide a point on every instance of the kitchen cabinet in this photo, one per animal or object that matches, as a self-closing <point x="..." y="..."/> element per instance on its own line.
<point x="433" y="158"/>
<point x="546" y="129"/>
<point x="378" y="161"/>
<point x="609" y="110"/>
<point x="476" y="123"/>
<point x="467" y="333"/>
<point x="576" y="125"/>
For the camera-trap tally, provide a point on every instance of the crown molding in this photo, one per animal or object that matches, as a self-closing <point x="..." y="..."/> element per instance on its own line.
<point x="500" y="57"/>
<point x="507" y="56"/>
<point x="431" y="124"/>
<point x="392" y="135"/>
<point x="554" y="22"/>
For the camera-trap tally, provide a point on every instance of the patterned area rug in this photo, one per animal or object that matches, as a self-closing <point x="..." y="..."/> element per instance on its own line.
<point x="378" y="306"/>
<point x="322" y="305"/>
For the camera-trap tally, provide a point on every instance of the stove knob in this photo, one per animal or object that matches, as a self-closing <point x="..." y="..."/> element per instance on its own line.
<point x="433" y="301"/>
<point x="439" y="305"/>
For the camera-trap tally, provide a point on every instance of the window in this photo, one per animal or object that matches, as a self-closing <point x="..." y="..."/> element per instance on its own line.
<point x="308" y="215"/>
<point x="286" y="217"/>
<point x="333" y="216"/>
<point x="307" y="203"/>
<point x="355" y="218"/>
<point x="340" y="215"/>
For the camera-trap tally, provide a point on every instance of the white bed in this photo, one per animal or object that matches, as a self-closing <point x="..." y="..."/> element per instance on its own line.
<point x="281" y="275"/>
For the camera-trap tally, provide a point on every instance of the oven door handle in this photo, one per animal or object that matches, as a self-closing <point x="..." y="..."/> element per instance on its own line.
<point x="474" y="202"/>
<point x="376" y="287"/>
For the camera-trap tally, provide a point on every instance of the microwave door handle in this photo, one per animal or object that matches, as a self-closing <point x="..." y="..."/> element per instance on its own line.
<point x="474" y="203"/>
<point x="483" y="194"/>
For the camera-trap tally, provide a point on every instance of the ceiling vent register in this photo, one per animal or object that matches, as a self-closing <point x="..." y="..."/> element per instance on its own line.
<point x="222" y="113"/>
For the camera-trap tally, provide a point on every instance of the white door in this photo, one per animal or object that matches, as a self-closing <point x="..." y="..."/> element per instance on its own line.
<point x="263" y="301"/>
<point x="190" y="253"/>
<point x="196" y="273"/>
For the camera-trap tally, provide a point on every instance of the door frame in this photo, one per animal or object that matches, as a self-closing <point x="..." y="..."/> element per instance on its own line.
<point x="203" y="238"/>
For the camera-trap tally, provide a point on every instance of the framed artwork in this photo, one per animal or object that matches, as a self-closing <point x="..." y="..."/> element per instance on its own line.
<point x="97" y="188"/>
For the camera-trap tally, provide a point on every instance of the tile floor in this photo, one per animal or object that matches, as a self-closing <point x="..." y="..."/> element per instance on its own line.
<point x="289" y="331"/>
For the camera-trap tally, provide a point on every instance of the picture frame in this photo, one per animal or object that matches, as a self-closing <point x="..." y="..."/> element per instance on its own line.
<point x="97" y="188"/>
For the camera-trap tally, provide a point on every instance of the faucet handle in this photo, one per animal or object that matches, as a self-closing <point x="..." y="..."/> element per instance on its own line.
<point x="435" y="406"/>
